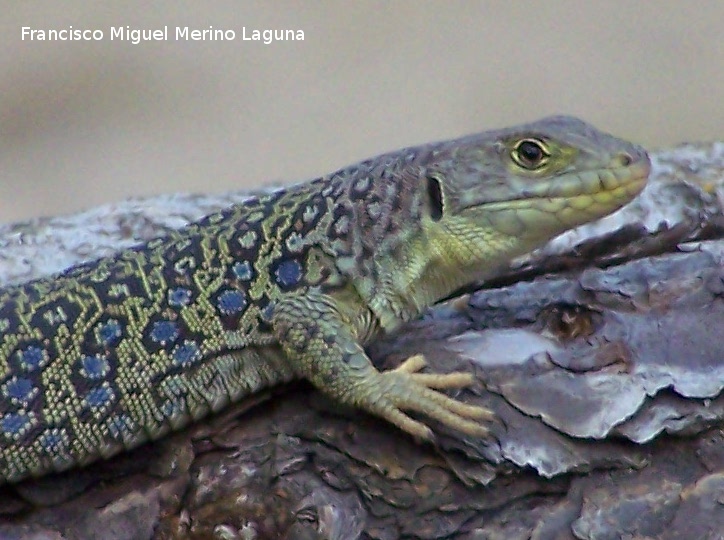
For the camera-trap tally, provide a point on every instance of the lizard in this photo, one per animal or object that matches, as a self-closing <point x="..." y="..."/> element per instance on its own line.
<point x="292" y="284"/>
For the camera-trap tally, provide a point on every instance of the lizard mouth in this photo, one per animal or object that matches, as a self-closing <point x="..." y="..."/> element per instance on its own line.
<point x="567" y="200"/>
<point x="605" y="188"/>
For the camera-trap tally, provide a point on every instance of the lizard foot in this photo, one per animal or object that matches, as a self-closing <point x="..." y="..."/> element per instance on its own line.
<point x="406" y="389"/>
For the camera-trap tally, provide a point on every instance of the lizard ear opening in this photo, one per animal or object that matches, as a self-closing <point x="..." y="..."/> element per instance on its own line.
<point x="435" y="199"/>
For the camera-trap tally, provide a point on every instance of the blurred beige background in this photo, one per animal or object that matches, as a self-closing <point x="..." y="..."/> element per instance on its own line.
<point x="83" y="123"/>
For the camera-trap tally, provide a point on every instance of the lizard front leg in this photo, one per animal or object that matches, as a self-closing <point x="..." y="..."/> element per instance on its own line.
<point x="322" y="347"/>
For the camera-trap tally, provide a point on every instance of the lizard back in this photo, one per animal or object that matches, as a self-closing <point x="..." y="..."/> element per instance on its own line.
<point x="124" y="349"/>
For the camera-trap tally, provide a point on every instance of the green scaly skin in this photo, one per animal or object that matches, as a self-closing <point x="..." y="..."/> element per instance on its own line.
<point x="291" y="285"/>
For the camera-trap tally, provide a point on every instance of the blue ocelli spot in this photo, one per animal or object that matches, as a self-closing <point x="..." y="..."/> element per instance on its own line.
<point x="121" y="426"/>
<point x="288" y="273"/>
<point x="231" y="302"/>
<point x="99" y="397"/>
<point x="109" y="332"/>
<point x="54" y="440"/>
<point x="267" y="314"/>
<point x="32" y="357"/>
<point x="16" y="424"/>
<point x="173" y="408"/>
<point x="18" y="389"/>
<point x="243" y="270"/>
<point x="295" y="242"/>
<point x="179" y="297"/>
<point x="94" y="367"/>
<point x="186" y="353"/>
<point x="168" y="409"/>
<point x="164" y="332"/>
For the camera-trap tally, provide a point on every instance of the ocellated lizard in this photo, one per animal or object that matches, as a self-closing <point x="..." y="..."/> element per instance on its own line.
<point x="291" y="284"/>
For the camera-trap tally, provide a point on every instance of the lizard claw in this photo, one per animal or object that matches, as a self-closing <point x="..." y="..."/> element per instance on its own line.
<point x="406" y="389"/>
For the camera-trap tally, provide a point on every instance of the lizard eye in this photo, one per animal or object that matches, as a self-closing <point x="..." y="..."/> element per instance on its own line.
<point x="530" y="154"/>
<point x="434" y="196"/>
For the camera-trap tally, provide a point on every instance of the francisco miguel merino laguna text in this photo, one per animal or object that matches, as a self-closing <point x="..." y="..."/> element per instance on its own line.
<point x="181" y="33"/>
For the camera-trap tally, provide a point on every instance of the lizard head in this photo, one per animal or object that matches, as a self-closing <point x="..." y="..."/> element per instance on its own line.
<point x="487" y="198"/>
<point x="500" y="194"/>
<point x="532" y="182"/>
